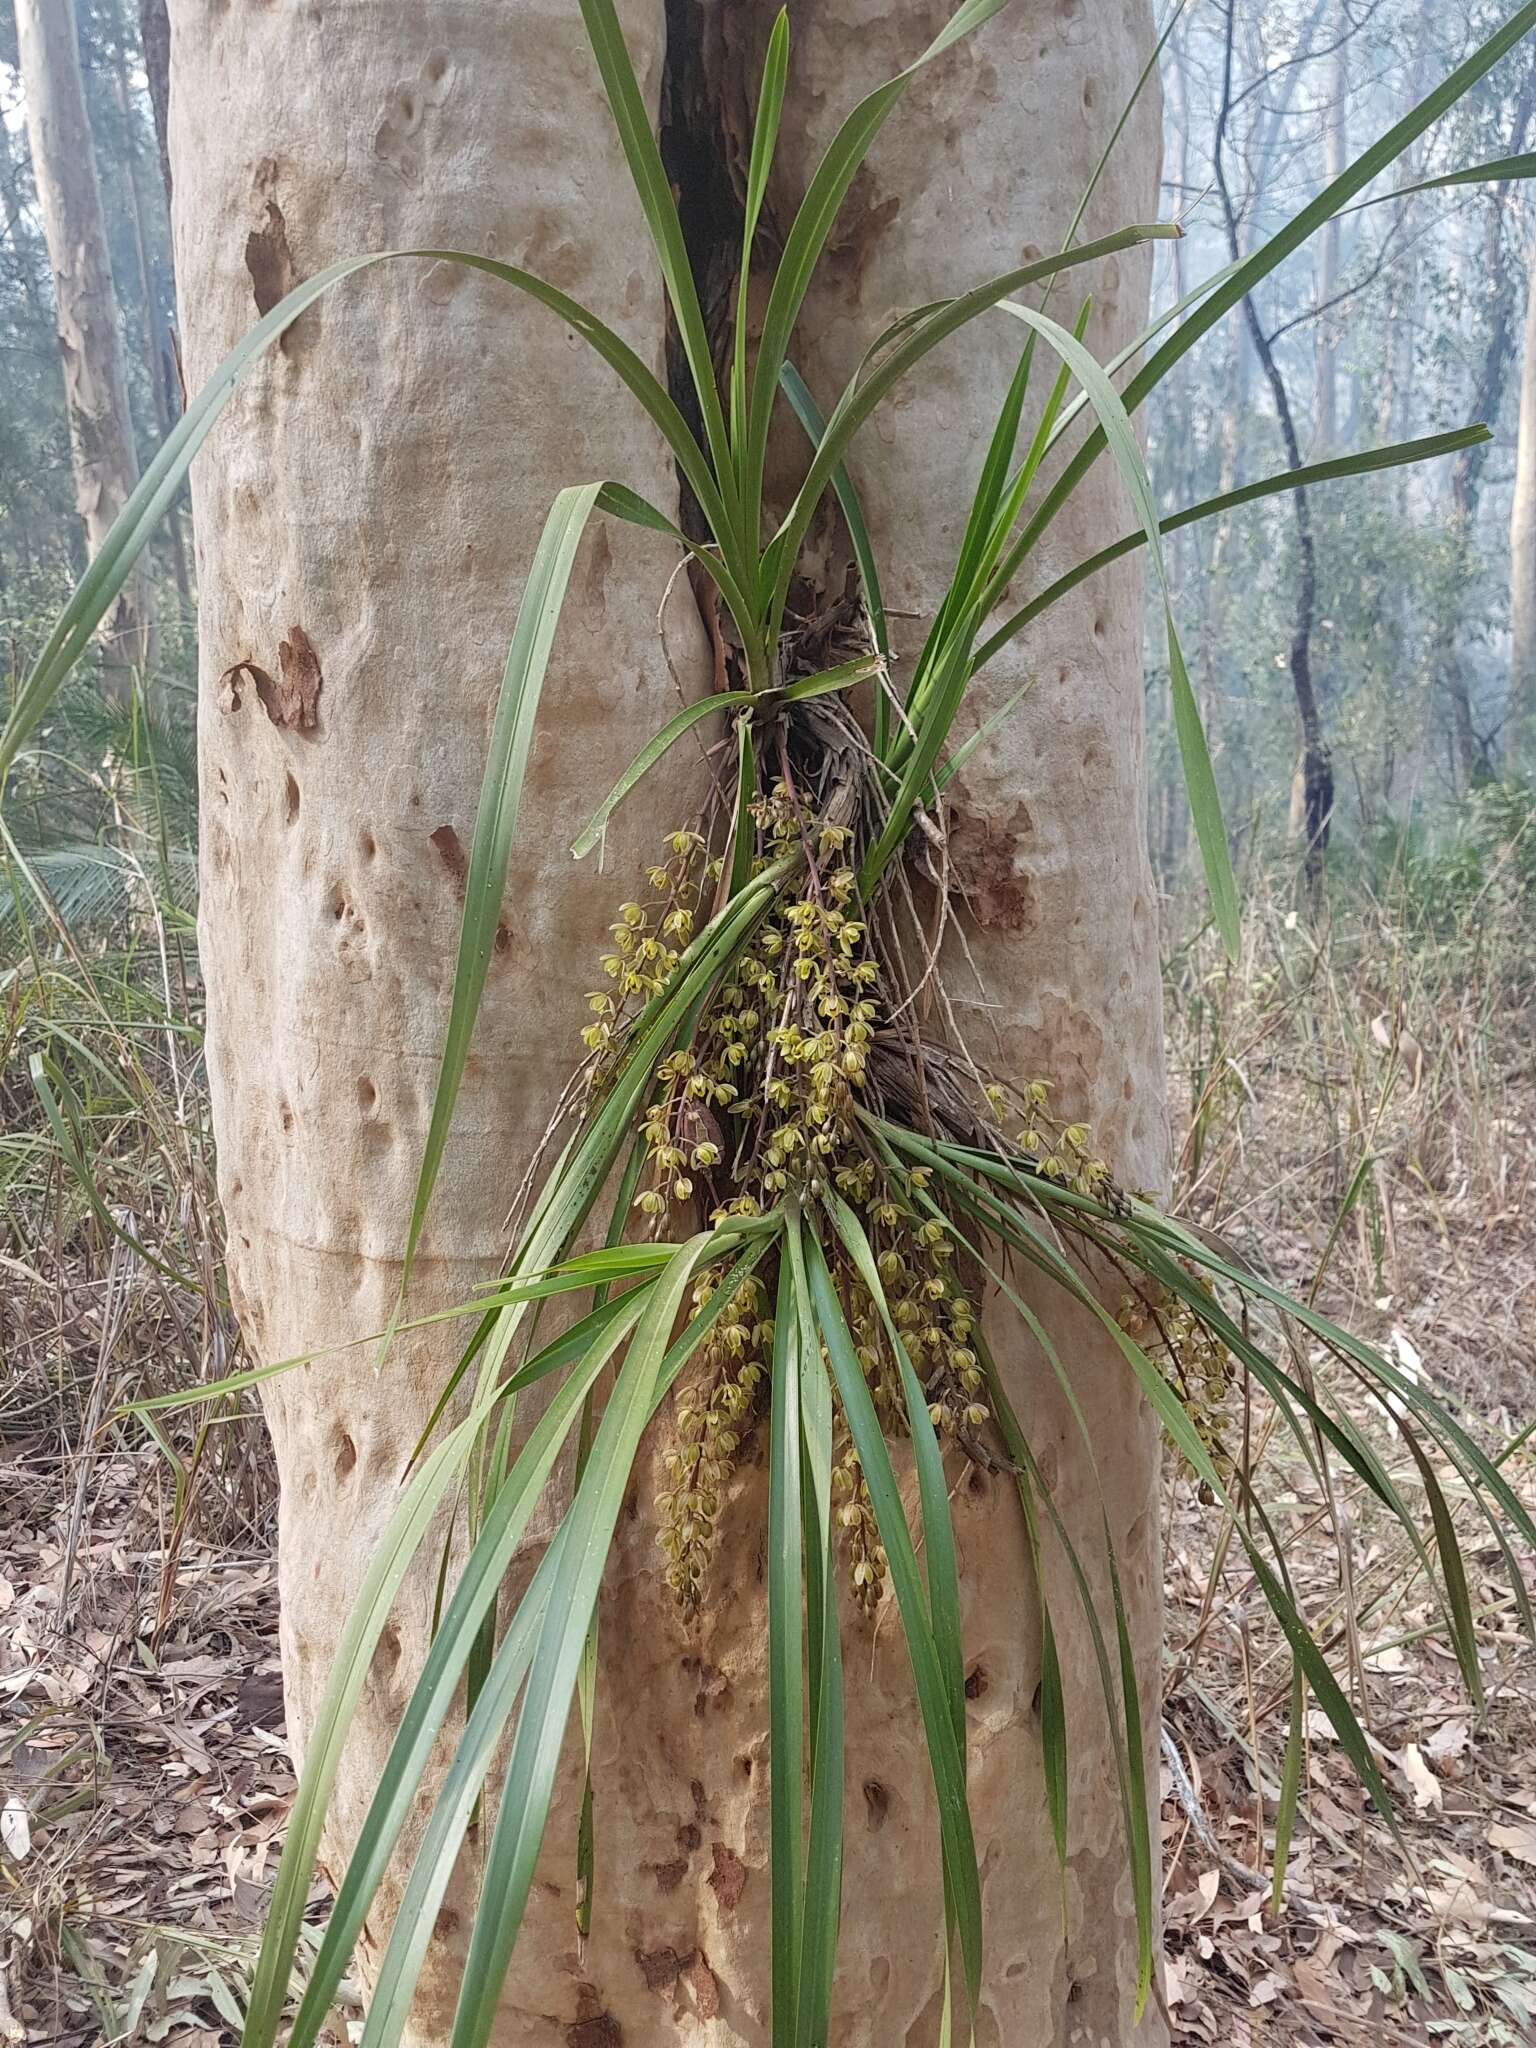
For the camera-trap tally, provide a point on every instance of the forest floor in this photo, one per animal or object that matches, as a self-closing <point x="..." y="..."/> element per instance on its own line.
<point x="145" y="1782"/>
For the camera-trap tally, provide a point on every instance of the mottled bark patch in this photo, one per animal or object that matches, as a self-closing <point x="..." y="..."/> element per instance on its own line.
<point x="984" y="859"/>
<point x="291" y="699"/>
<point x="450" y="851"/>
<point x="269" y="259"/>
<point x="661" y="1967"/>
<point x="669" y="1876"/>
<point x="728" y="1879"/>
<point x="706" y="1992"/>
<point x="601" y="2031"/>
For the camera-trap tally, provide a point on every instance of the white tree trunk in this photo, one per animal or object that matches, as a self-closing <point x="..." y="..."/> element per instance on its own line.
<point x="1330" y="241"/>
<point x="379" y="485"/>
<point x="95" y="385"/>
<point x="1520" y="718"/>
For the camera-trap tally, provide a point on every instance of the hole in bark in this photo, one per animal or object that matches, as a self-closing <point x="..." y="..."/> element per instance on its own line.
<point x="285" y="1116"/>
<point x="435" y="66"/>
<point x="338" y="905"/>
<point x="369" y="845"/>
<point x="1074" y="1991"/>
<point x="390" y="1646"/>
<point x="975" y="1682"/>
<point x="976" y="1483"/>
<point x="290" y="799"/>
<point x="446" y="1925"/>
<point x="346" y="1456"/>
<point x="878" y="1801"/>
<point x="744" y="1765"/>
<point x="367" y="1096"/>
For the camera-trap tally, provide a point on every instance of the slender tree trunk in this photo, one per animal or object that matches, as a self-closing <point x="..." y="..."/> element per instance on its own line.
<point x="1330" y="241"/>
<point x="379" y="483"/>
<point x="1316" y="768"/>
<point x="155" y="41"/>
<point x="1520" y="725"/>
<point x="1472" y="753"/>
<point x="29" y="268"/>
<point x="95" y="386"/>
<point x="156" y="342"/>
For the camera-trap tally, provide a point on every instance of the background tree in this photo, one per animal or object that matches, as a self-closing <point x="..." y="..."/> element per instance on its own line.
<point x="90" y="344"/>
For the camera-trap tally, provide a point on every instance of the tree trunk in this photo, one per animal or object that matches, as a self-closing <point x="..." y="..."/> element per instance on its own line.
<point x="1520" y="718"/>
<point x="156" y="341"/>
<point x="95" y="386"/>
<point x="1330" y="241"/>
<point x="379" y="483"/>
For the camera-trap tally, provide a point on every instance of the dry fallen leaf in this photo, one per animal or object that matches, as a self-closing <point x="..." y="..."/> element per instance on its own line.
<point x="1422" y="1782"/>
<point x="16" y="1828"/>
<point x="1515" y="1838"/>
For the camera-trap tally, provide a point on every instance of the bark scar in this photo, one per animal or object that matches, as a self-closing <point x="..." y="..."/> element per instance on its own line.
<point x="292" y="701"/>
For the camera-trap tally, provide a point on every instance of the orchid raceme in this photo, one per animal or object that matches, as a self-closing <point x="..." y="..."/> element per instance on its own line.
<point x="817" y="1216"/>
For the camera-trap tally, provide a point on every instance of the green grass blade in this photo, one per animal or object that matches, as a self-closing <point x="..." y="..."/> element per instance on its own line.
<point x="1290" y="1786"/>
<point x="65" y="1117"/>
<point x="808" y="234"/>
<point x="552" y="1676"/>
<point x="654" y="191"/>
<point x="1199" y="777"/>
<point x="786" y="1666"/>
<point x="945" y="1751"/>
<point x="660" y="743"/>
<point x="1366" y="463"/>
<point x="500" y="798"/>
<point x="765" y="136"/>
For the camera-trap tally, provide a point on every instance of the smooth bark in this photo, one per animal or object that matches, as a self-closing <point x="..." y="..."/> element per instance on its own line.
<point x="95" y="384"/>
<point x="379" y="482"/>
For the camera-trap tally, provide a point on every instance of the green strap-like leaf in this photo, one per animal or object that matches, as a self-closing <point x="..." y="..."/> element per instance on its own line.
<point x="130" y="531"/>
<point x="632" y="118"/>
<point x="808" y="413"/>
<point x="1213" y="300"/>
<point x="945" y="1750"/>
<point x="552" y="1676"/>
<point x="1199" y="777"/>
<point x="432" y="1695"/>
<point x="923" y="335"/>
<point x="765" y="135"/>
<point x="660" y="742"/>
<point x="786" y="1666"/>
<point x="1366" y="463"/>
<point x="808" y="234"/>
<point x="500" y="798"/>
